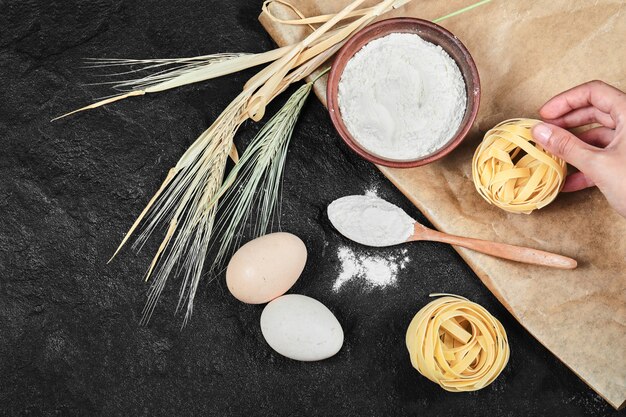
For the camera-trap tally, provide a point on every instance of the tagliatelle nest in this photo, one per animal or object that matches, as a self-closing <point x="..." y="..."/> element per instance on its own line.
<point x="457" y="344"/>
<point x="513" y="172"/>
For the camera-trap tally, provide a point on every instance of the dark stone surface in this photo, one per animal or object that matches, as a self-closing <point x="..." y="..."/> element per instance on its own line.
<point x="70" y="343"/>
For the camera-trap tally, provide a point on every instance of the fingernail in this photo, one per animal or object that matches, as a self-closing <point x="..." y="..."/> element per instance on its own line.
<point x="542" y="132"/>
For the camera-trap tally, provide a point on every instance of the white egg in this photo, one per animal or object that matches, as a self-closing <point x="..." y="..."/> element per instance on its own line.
<point x="301" y="328"/>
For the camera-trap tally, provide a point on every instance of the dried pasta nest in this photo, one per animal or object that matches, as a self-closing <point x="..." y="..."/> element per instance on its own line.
<point x="513" y="172"/>
<point x="457" y="344"/>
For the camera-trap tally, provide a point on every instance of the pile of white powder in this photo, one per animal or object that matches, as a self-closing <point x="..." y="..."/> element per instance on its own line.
<point x="373" y="271"/>
<point x="401" y="97"/>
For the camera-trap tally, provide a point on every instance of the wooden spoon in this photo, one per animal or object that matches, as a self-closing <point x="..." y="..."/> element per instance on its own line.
<point x="500" y="250"/>
<point x="372" y="221"/>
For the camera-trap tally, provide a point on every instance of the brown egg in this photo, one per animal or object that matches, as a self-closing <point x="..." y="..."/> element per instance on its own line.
<point x="266" y="267"/>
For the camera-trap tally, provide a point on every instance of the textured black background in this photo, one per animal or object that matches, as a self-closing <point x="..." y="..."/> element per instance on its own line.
<point x="70" y="343"/>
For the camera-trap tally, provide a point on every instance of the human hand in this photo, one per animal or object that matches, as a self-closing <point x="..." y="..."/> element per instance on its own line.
<point x="598" y="153"/>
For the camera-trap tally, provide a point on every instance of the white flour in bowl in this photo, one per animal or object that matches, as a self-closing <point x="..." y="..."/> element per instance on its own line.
<point x="402" y="98"/>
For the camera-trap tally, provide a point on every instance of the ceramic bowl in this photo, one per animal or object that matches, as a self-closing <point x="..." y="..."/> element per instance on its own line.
<point x="430" y="32"/>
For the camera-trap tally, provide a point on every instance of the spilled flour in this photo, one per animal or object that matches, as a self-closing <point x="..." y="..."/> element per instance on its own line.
<point x="372" y="191"/>
<point x="373" y="270"/>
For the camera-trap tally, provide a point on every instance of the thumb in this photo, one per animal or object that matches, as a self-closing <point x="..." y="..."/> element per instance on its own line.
<point x="563" y="144"/>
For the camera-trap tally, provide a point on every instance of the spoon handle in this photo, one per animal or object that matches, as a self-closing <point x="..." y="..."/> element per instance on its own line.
<point x="502" y="250"/>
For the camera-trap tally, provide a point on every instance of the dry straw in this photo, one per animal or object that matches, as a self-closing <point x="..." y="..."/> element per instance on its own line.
<point x="251" y="190"/>
<point x="188" y="199"/>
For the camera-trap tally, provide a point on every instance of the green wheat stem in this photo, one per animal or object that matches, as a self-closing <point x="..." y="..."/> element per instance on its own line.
<point x="461" y="11"/>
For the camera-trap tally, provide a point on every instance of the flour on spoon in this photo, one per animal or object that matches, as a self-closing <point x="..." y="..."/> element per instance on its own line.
<point x="370" y="220"/>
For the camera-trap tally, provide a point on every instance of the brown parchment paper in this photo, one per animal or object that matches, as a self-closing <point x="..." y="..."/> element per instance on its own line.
<point x="526" y="52"/>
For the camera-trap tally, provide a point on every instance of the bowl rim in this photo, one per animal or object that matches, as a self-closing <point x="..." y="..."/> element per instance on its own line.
<point x="371" y="33"/>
